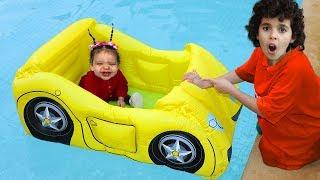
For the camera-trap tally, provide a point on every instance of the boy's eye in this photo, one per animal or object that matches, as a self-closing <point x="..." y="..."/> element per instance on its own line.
<point x="282" y="29"/>
<point x="265" y="28"/>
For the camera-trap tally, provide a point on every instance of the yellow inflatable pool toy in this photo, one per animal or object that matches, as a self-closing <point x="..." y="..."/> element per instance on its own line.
<point x="181" y="126"/>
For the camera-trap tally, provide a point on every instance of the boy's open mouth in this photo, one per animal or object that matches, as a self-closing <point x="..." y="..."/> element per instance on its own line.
<point x="272" y="47"/>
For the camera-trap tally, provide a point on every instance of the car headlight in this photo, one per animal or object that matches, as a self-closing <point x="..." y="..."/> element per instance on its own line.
<point x="214" y="123"/>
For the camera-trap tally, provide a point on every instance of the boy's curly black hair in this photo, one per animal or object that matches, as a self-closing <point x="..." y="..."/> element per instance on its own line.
<point x="284" y="9"/>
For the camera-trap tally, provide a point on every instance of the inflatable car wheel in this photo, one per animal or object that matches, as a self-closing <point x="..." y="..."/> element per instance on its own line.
<point x="178" y="150"/>
<point x="48" y="120"/>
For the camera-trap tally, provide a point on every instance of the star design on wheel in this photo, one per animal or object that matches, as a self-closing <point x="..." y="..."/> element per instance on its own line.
<point x="174" y="152"/>
<point x="47" y="120"/>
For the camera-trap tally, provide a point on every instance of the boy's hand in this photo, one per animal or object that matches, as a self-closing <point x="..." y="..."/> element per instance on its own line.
<point x="194" y="78"/>
<point x="121" y="102"/>
<point x="223" y="85"/>
<point x="189" y="76"/>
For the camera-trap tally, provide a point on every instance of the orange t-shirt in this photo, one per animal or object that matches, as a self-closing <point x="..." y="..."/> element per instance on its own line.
<point x="288" y="97"/>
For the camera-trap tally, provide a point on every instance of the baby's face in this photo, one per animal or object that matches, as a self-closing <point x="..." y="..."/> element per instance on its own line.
<point x="274" y="37"/>
<point x="104" y="65"/>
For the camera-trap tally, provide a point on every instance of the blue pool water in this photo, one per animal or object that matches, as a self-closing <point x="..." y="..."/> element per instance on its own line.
<point x="168" y="24"/>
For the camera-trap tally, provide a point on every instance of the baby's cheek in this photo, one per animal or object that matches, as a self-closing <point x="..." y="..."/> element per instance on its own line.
<point x="115" y="68"/>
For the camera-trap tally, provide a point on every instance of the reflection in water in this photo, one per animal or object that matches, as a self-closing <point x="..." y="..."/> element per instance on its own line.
<point x="62" y="17"/>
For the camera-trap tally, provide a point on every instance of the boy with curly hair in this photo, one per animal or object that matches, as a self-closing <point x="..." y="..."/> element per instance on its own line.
<point x="287" y="99"/>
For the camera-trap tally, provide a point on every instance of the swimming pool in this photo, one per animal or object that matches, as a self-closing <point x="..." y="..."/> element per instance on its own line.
<point x="216" y="25"/>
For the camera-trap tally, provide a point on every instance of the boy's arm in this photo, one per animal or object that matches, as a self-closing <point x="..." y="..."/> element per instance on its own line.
<point x="194" y="77"/>
<point x="246" y="100"/>
<point x="225" y="86"/>
<point x="232" y="77"/>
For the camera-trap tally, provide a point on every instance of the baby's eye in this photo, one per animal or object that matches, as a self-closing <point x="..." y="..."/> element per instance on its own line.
<point x="99" y="64"/>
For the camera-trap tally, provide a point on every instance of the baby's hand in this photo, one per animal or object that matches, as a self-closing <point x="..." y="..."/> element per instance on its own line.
<point x="121" y="102"/>
<point x="194" y="78"/>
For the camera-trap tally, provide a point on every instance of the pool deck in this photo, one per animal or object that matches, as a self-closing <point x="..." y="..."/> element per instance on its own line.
<point x="312" y="29"/>
<point x="255" y="168"/>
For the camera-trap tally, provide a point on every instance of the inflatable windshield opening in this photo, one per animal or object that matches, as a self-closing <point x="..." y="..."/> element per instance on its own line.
<point x="181" y="126"/>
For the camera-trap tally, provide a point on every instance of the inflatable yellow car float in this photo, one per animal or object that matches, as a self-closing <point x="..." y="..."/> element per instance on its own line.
<point x="181" y="126"/>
